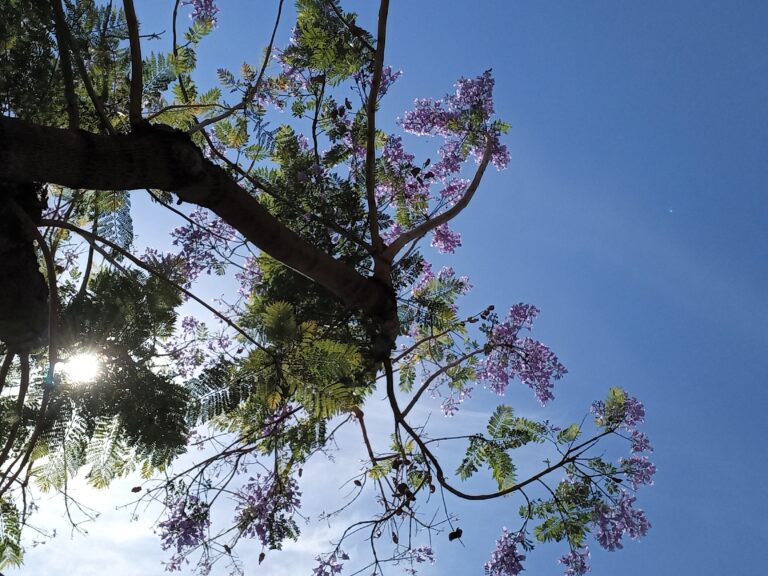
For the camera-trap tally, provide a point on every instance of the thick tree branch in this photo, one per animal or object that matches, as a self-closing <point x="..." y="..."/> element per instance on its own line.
<point x="370" y="155"/>
<point x="167" y="160"/>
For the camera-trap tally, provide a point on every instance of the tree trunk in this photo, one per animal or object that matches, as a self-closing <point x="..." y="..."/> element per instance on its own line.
<point x="23" y="290"/>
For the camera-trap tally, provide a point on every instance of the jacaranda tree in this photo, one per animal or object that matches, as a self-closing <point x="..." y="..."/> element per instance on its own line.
<point x="323" y="226"/>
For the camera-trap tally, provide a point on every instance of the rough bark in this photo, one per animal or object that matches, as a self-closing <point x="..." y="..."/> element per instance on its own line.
<point x="23" y="290"/>
<point x="164" y="159"/>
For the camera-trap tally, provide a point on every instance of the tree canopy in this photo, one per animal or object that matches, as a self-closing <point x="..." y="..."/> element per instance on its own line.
<point x="323" y="224"/>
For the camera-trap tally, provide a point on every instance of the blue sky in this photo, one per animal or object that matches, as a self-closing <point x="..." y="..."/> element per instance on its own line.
<point x="634" y="214"/>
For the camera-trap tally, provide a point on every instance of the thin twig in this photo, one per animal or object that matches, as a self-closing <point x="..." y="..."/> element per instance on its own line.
<point x="253" y="90"/>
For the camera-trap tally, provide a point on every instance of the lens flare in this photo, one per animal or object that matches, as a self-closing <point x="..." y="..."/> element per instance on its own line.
<point x="83" y="367"/>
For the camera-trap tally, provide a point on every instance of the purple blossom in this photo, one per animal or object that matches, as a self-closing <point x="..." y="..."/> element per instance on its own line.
<point x="428" y="117"/>
<point x="634" y="412"/>
<point x="275" y="423"/>
<point x="266" y="506"/>
<point x="394" y="153"/>
<point x="249" y="276"/>
<point x="476" y="92"/>
<point x="613" y="522"/>
<point x="506" y="560"/>
<point x="538" y="367"/>
<point x="331" y="565"/>
<point x="640" y="442"/>
<point x="639" y="470"/>
<point x="388" y="77"/>
<point x="454" y="190"/>
<point x="577" y="562"/>
<point x="219" y="343"/>
<point x="519" y="316"/>
<point x="450" y="405"/>
<point x="462" y="119"/>
<point x="200" y="242"/>
<point x="186" y="526"/>
<point x="423" y="554"/>
<point x="525" y="358"/>
<point x="629" y="413"/>
<point x="499" y="153"/>
<point x="445" y="240"/>
<point x="448" y="273"/>
<point x="184" y="347"/>
<point x="426" y="276"/>
<point x="391" y="234"/>
<point x="204" y="10"/>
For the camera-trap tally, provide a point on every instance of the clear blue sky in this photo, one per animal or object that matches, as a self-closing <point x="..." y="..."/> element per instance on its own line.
<point x="634" y="214"/>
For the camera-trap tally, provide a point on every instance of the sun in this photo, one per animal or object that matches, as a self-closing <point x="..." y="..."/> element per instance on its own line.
<point x="81" y="368"/>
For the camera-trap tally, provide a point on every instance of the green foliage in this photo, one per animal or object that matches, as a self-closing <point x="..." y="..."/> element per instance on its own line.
<point x="569" y="434"/>
<point x="505" y="432"/>
<point x="214" y="392"/>
<point x="566" y="514"/>
<point x="158" y="74"/>
<point x="614" y="408"/>
<point x="11" y="553"/>
<point x="62" y="450"/>
<point x="114" y="220"/>
<point x="300" y="364"/>
<point x="326" y="44"/>
<point x="30" y="84"/>
<point x="121" y="319"/>
<point x="108" y="453"/>
<point x="121" y="312"/>
<point x="513" y="431"/>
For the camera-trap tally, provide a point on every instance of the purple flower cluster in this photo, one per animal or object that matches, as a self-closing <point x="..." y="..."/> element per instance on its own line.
<point x="186" y="526"/>
<point x="525" y="358"/>
<point x="426" y="275"/>
<point x="331" y="565"/>
<point x="445" y="240"/>
<point x="576" y="562"/>
<point x="632" y="413"/>
<point x="184" y="347"/>
<point x="454" y="190"/>
<point x="639" y="470"/>
<point x="613" y="522"/>
<point x="460" y="118"/>
<point x="450" y="405"/>
<point x="448" y="273"/>
<point x="388" y="77"/>
<point x="423" y="554"/>
<point x="248" y="276"/>
<point x="203" y="10"/>
<point x="276" y="423"/>
<point x="390" y="234"/>
<point x="200" y="242"/>
<point x="506" y="560"/>
<point x="394" y="153"/>
<point x="640" y="442"/>
<point x="262" y="502"/>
